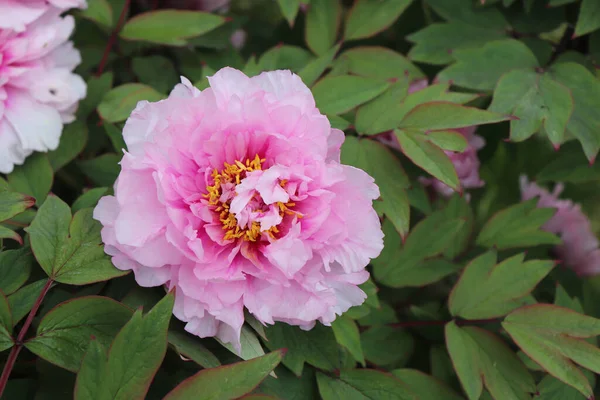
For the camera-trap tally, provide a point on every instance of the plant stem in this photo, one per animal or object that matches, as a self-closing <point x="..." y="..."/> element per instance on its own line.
<point x="113" y="38"/>
<point x="14" y="352"/>
<point x="461" y="322"/>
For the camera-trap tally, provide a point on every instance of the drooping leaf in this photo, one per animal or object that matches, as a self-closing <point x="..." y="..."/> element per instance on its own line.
<point x="250" y="345"/>
<point x="487" y="290"/>
<point x="15" y="267"/>
<point x="481" y="68"/>
<point x="191" y="347"/>
<point x="69" y="250"/>
<point x="170" y="27"/>
<point x="518" y="226"/>
<point x="369" y="17"/>
<point x="339" y="94"/>
<point x="551" y="336"/>
<point x="119" y="102"/>
<point x="479" y="358"/>
<point x="134" y="357"/>
<point x="227" y="382"/>
<point x="322" y="24"/>
<point x="363" y="384"/>
<point x="34" y="178"/>
<point x="347" y="335"/>
<point x="64" y="333"/>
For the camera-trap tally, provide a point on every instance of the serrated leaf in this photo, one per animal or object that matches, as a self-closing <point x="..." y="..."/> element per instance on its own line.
<point x="436" y="43"/>
<point x="22" y="301"/>
<point x="379" y="62"/>
<point x="322" y="24"/>
<point x="424" y="386"/>
<point x="538" y="101"/>
<point x="69" y="250"/>
<point x="118" y="103"/>
<point x="15" y="267"/>
<point x="170" y="27"/>
<point x="13" y="203"/>
<point x="482" y="67"/>
<point x="64" y="333"/>
<point x="486" y="290"/>
<point x="481" y="358"/>
<point x="316" y="347"/>
<point x="312" y="71"/>
<point x="227" y="382"/>
<point x="551" y="336"/>
<point x="363" y="384"/>
<point x="428" y="156"/>
<point x="191" y="347"/>
<point x="589" y="17"/>
<point x="134" y="357"/>
<point x="518" y="226"/>
<point x="369" y="17"/>
<point x="339" y="94"/>
<point x="347" y="335"/>
<point x="33" y="178"/>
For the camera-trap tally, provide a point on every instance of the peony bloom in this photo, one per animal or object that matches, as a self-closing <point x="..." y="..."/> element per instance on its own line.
<point x="236" y="196"/>
<point x="17" y="14"/>
<point x="38" y="91"/>
<point x="466" y="163"/>
<point x="580" y="246"/>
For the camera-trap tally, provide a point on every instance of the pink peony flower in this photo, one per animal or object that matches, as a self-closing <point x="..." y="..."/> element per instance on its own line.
<point x="38" y="91"/>
<point x="466" y="163"/>
<point x="236" y="196"/>
<point x="17" y="14"/>
<point x="580" y="246"/>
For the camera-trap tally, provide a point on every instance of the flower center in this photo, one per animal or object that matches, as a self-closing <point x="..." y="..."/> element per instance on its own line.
<point x="222" y="192"/>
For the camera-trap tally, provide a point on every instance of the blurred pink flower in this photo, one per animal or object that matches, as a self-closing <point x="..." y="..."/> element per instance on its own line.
<point x="236" y="196"/>
<point x="466" y="163"/>
<point x="580" y="246"/>
<point x="38" y="91"/>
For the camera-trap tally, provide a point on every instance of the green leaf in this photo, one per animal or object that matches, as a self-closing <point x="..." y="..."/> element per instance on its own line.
<point x="585" y="88"/>
<point x="284" y="57"/>
<point x="347" y="335"/>
<point x="322" y="24"/>
<point x="170" y="27"/>
<point x="69" y="251"/>
<point x="102" y="170"/>
<point x="316" y="347"/>
<point x="486" y="290"/>
<point x="518" y="226"/>
<point x="134" y="357"/>
<point x="339" y="94"/>
<point x="22" y="301"/>
<point x="116" y="137"/>
<point x="289" y="9"/>
<point x="12" y="203"/>
<point x="384" y="167"/>
<point x="466" y="13"/>
<point x="369" y="17"/>
<point x="538" y="101"/>
<point x="424" y="386"/>
<point x="227" y="382"/>
<point x="89" y="198"/>
<point x="379" y="62"/>
<point x="551" y="336"/>
<point x="15" y="267"/>
<point x="33" y="178"/>
<point x="481" y="358"/>
<point x="446" y="115"/>
<point x="250" y="345"/>
<point x="363" y="384"/>
<point x="481" y="68"/>
<point x="551" y="388"/>
<point x="385" y="345"/>
<point x="448" y="140"/>
<point x="6" y="341"/>
<point x="288" y="386"/>
<point x="72" y="142"/>
<point x="570" y="165"/>
<point x="589" y="18"/>
<point x="314" y="69"/>
<point x="191" y="347"/>
<point x="64" y="333"/>
<point x="436" y="43"/>
<point x="428" y="156"/>
<point x="6" y="233"/>
<point x="100" y="12"/>
<point x="96" y="89"/>
<point x="118" y="103"/>
<point x="156" y="71"/>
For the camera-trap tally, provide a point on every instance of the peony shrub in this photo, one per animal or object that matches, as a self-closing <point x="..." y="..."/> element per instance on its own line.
<point x="293" y="199"/>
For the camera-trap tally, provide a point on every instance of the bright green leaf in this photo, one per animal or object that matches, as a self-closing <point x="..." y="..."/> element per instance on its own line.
<point x="89" y="198"/>
<point x="12" y="203"/>
<point x="119" y="102"/>
<point x="322" y="24"/>
<point x="347" y="335"/>
<point x="369" y="17"/>
<point x="314" y="69"/>
<point x="285" y="57"/>
<point x="446" y="115"/>
<point x="339" y="94"/>
<point x="191" y="347"/>
<point x="289" y="9"/>
<point x="379" y="62"/>
<point x="99" y="11"/>
<point x="33" y="178"/>
<point x="448" y="140"/>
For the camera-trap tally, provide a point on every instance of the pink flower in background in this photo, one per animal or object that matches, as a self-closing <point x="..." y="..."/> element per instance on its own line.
<point x="17" y="14"/>
<point x="38" y="91"/>
<point x="466" y="163"/>
<point x="236" y="196"/>
<point x="580" y="246"/>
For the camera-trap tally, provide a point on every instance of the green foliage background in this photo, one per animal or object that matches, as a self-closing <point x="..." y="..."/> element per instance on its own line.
<point x="465" y="301"/>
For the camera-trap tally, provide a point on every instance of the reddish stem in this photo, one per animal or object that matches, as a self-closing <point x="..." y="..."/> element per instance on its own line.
<point x="113" y="38"/>
<point x="462" y="322"/>
<point x="14" y="352"/>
